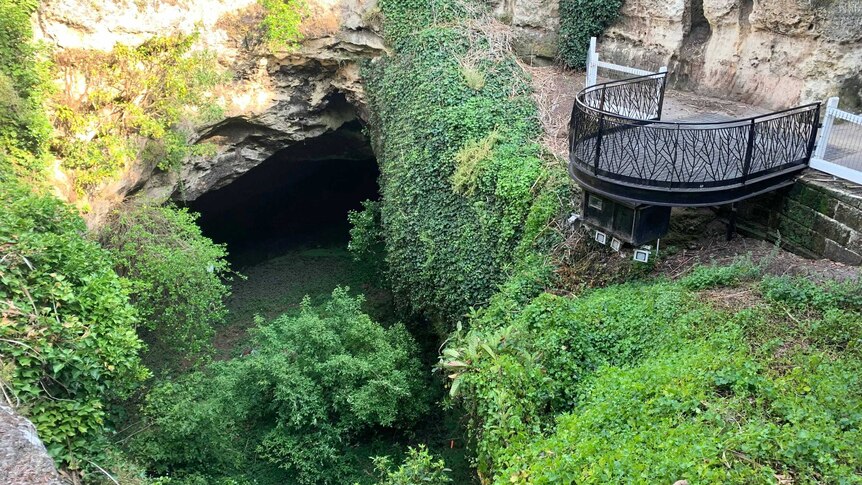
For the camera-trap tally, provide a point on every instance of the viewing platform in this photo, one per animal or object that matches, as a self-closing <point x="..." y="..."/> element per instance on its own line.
<point x="620" y="147"/>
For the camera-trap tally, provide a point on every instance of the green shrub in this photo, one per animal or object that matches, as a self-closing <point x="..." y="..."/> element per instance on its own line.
<point x="282" y="22"/>
<point x="418" y="468"/>
<point x="24" y="128"/>
<point x="177" y="275"/>
<point x="67" y="330"/>
<point x="312" y="383"/>
<point x="580" y="20"/>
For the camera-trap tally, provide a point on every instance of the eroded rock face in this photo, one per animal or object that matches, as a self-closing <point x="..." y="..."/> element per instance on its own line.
<point x="23" y="458"/>
<point x="276" y="98"/>
<point x="535" y="24"/>
<point x="279" y="100"/>
<point x="774" y="53"/>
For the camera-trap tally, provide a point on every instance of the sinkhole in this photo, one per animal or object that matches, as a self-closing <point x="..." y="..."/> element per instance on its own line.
<point x="298" y="197"/>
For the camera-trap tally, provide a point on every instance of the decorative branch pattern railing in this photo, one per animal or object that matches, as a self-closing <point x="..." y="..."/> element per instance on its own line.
<point x="616" y="136"/>
<point x="638" y="98"/>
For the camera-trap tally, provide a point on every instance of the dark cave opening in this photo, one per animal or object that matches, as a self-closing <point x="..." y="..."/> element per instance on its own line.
<point x="298" y="197"/>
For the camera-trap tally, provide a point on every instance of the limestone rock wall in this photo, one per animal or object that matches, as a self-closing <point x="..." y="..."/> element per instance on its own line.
<point x="774" y="53"/>
<point x="275" y="99"/>
<point x="534" y="23"/>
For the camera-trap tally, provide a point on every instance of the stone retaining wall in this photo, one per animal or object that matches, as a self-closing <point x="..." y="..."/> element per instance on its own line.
<point x="818" y="217"/>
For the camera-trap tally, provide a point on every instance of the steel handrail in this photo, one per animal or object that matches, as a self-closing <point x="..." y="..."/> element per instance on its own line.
<point x="736" y="152"/>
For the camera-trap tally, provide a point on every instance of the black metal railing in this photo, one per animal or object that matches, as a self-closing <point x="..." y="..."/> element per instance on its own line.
<point x="616" y="136"/>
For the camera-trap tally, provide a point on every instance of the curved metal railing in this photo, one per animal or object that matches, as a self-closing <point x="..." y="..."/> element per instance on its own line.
<point x="616" y="137"/>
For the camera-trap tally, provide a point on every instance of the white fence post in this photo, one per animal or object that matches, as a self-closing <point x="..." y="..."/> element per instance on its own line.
<point x="592" y="63"/>
<point x="837" y="168"/>
<point x="828" y="121"/>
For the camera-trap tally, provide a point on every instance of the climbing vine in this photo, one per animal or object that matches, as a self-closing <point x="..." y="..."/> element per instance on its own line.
<point x="24" y="128"/>
<point x="580" y="20"/>
<point x="462" y="178"/>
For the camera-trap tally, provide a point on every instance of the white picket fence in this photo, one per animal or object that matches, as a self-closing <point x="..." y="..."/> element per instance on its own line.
<point x="594" y="63"/>
<point x="839" y="150"/>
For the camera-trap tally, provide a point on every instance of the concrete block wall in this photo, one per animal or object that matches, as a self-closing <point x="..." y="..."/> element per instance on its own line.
<point x="818" y="217"/>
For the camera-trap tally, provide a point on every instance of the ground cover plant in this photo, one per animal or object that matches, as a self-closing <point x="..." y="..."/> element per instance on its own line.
<point x="651" y="381"/>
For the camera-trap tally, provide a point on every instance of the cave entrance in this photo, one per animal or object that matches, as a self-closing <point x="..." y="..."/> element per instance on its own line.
<point x="298" y="197"/>
<point x="286" y="229"/>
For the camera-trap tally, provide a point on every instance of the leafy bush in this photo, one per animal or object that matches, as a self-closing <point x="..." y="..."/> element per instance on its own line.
<point x="418" y="468"/>
<point x="67" y="330"/>
<point x="282" y="22"/>
<point x="138" y="104"/>
<point x="312" y="383"/>
<point x="448" y="249"/>
<point x="580" y="20"/>
<point x="177" y="275"/>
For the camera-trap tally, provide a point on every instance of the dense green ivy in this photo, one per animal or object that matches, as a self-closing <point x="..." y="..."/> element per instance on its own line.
<point x="447" y="247"/>
<point x="67" y="331"/>
<point x="24" y="128"/>
<point x="580" y="20"/>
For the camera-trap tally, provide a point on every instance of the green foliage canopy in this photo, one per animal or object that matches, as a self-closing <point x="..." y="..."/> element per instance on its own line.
<point x="67" y="331"/>
<point x="311" y="384"/>
<point x="24" y="129"/>
<point x="177" y="275"/>
<point x="580" y="20"/>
